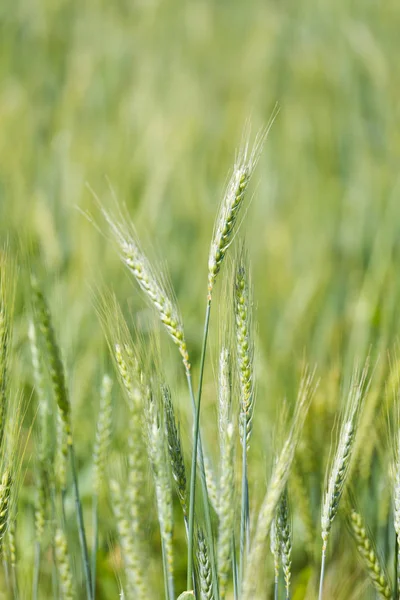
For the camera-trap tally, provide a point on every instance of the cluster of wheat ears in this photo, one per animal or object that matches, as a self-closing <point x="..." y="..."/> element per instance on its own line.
<point x="227" y="550"/>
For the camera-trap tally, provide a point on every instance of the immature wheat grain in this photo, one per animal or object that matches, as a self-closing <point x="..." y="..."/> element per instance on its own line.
<point x="230" y="207"/>
<point x="244" y="351"/>
<point x="276" y="553"/>
<point x="156" y="452"/>
<point x="211" y="483"/>
<point x="370" y="558"/>
<point x="5" y="495"/>
<point x="151" y="284"/>
<point x="341" y="462"/>
<point x="103" y="435"/>
<point x="43" y="408"/>
<point x="54" y="357"/>
<point x="136" y="392"/>
<point x="205" y="575"/>
<point x="12" y="551"/>
<point x="63" y="565"/>
<point x="7" y="289"/>
<point x="61" y="457"/>
<point x="56" y="369"/>
<point x="40" y="503"/>
<point x="132" y="559"/>
<point x="226" y="511"/>
<point x="285" y="538"/>
<point x="102" y="443"/>
<point x="224" y="396"/>
<point x="226" y="508"/>
<point x="175" y="450"/>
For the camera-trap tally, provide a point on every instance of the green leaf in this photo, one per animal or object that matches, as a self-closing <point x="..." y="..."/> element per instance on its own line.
<point x="186" y="596"/>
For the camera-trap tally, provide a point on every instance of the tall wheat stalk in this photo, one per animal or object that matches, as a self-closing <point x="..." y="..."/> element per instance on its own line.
<point x="161" y="297"/>
<point x="156" y="451"/>
<point x="244" y="353"/>
<point x="102" y="443"/>
<point x="223" y="236"/>
<point x="341" y="463"/>
<point x="275" y="489"/>
<point x="63" y="402"/>
<point x="226" y="506"/>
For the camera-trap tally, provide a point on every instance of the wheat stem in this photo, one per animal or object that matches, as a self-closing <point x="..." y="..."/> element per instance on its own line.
<point x="322" y="574"/>
<point x="81" y="525"/>
<point x="196" y="431"/>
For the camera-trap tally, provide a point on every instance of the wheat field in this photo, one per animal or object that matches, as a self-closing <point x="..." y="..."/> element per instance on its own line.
<point x="199" y="300"/>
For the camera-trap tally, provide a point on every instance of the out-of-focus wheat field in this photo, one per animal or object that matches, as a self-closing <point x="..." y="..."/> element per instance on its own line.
<point x="144" y="103"/>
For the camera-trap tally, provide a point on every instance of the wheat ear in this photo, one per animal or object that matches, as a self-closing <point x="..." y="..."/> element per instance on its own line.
<point x="162" y="299"/>
<point x="63" y="565"/>
<point x="63" y="402"/>
<point x="341" y="462"/>
<point x="5" y="497"/>
<point x="205" y="574"/>
<point x="276" y="553"/>
<point x="275" y="489"/>
<point x="244" y="354"/>
<point x="101" y="446"/>
<point x="156" y="452"/>
<point x="175" y="450"/>
<point x="285" y="539"/>
<point x="226" y="508"/>
<point x="7" y="293"/>
<point x="151" y="284"/>
<point x="367" y="551"/>
<point x="12" y="548"/>
<point x="231" y="206"/>
<point x="131" y="557"/>
<point x="136" y="393"/>
<point x="222" y="238"/>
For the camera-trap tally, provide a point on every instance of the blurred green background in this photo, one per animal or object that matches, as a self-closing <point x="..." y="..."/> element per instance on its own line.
<point x="147" y="101"/>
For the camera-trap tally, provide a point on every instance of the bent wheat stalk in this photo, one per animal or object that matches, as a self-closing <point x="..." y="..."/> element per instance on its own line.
<point x="341" y="463"/>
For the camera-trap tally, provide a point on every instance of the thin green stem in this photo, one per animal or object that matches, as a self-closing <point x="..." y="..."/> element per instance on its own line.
<point x="235" y="570"/>
<point x="166" y="573"/>
<point x="54" y="570"/>
<point x="321" y="580"/>
<point x="81" y="526"/>
<point x="196" y="431"/>
<point x="276" y="587"/>
<point x="244" y="511"/>
<point x="6" y="574"/>
<point x="205" y="498"/>
<point x="396" y="569"/>
<point x="36" y="570"/>
<point x="14" y="582"/>
<point x="95" y="525"/>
